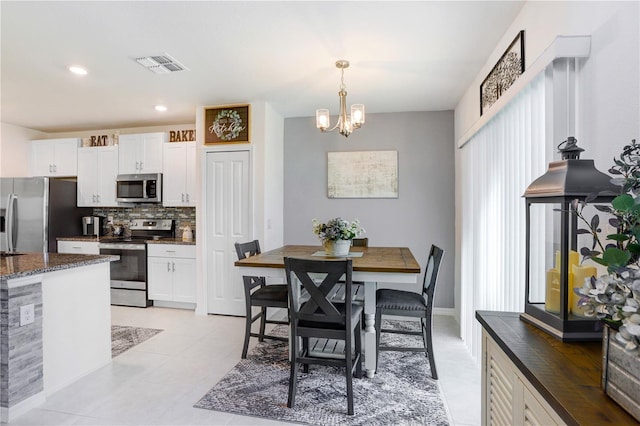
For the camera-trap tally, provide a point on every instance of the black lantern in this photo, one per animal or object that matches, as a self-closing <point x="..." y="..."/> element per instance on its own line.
<point x="552" y="245"/>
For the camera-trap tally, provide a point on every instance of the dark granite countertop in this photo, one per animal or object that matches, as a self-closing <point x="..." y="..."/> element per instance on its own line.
<point x="172" y="241"/>
<point x="86" y="238"/>
<point x="27" y="264"/>
<point x="106" y="238"/>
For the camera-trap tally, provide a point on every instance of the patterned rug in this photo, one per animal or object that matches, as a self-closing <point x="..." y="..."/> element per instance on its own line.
<point x="401" y="393"/>
<point x="124" y="338"/>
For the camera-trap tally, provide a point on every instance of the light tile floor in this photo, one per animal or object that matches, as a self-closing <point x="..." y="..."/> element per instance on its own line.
<point x="158" y="381"/>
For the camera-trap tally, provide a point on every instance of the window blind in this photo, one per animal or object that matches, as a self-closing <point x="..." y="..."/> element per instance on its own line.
<point x="496" y="166"/>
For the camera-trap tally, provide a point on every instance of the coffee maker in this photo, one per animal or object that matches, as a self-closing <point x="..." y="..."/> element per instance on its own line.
<point x="93" y="226"/>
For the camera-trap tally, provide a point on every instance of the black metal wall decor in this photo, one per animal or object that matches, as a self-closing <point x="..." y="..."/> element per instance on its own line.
<point x="555" y="191"/>
<point x="503" y="74"/>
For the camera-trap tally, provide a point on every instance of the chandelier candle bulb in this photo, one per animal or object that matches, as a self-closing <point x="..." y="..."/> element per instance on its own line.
<point x="323" y="119"/>
<point x="357" y="115"/>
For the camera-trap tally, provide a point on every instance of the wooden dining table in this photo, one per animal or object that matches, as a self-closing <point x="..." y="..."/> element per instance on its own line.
<point x="371" y="265"/>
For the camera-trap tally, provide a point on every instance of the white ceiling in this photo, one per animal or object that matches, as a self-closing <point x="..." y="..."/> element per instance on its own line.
<point x="405" y="56"/>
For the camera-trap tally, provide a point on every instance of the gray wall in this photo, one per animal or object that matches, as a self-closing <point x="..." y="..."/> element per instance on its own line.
<point x="423" y="214"/>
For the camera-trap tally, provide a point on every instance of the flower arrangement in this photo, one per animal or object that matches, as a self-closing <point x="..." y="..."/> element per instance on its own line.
<point x="615" y="298"/>
<point x="337" y="229"/>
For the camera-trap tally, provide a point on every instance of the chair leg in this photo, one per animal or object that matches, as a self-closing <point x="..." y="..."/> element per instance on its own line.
<point x="263" y="320"/>
<point x="293" y="373"/>
<point x="247" y="333"/>
<point x="428" y="345"/>
<point x="358" y="338"/>
<point x="349" y="389"/>
<point x="378" y="328"/>
<point x="305" y="352"/>
<point x="348" y="357"/>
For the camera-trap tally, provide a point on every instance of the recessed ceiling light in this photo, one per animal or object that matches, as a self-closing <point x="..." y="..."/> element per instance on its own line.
<point x="78" y="70"/>
<point x="161" y="108"/>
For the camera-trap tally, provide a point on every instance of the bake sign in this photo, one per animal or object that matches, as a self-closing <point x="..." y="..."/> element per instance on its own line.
<point x="182" y="135"/>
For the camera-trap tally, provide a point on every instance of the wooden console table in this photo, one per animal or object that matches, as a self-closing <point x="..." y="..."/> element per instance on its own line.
<point x="530" y="377"/>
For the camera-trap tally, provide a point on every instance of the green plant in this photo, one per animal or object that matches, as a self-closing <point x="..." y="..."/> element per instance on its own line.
<point x="615" y="298"/>
<point x="337" y="229"/>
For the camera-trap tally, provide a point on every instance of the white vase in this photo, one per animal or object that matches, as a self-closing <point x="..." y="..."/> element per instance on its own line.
<point x="337" y="248"/>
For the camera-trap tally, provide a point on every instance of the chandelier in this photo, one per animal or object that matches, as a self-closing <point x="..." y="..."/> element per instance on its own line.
<point x="345" y="125"/>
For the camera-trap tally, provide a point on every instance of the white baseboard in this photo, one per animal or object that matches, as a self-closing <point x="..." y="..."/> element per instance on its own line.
<point x="175" y="305"/>
<point x="8" y="414"/>
<point x="444" y="311"/>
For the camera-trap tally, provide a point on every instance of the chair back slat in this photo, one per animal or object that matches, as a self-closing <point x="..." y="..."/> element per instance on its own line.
<point x="250" y="248"/>
<point x="318" y="278"/>
<point x="431" y="274"/>
<point x="360" y="242"/>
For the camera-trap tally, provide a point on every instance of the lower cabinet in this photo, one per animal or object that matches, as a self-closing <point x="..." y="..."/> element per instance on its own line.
<point x="507" y="396"/>
<point x="78" y="247"/>
<point x="172" y="272"/>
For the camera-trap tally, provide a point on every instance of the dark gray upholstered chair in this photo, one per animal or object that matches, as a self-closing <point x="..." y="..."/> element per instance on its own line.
<point x="258" y="293"/>
<point x="360" y="242"/>
<point x="411" y="304"/>
<point x="320" y="317"/>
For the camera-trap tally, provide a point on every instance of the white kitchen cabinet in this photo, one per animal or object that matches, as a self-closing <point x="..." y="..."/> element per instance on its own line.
<point x="172" y="273"/>
<point x="54" y="157"/>
<point x="97" y="172"/>
<point x="78" y="247"/>
<point x="141" y="153"/>
<point x="179" y="175"/>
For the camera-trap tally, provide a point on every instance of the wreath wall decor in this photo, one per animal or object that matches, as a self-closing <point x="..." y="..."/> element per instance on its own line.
<point x="227" y="124"/>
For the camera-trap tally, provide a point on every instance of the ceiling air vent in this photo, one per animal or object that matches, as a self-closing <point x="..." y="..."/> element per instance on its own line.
<point x="161" y="64"/>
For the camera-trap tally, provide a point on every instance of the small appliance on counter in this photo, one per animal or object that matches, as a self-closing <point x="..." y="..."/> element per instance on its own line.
<point x="93" y="226"/>
<point x="187" y="233"/>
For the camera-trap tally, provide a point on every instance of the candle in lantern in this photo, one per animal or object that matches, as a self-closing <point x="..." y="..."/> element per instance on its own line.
<point x="552" y="294"/>
<point x="579" y="274"/>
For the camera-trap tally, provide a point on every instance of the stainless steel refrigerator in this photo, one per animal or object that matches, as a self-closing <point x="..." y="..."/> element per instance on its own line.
<point x="35" y="211"/>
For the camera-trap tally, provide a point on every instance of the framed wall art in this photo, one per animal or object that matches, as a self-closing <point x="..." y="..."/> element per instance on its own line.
<point x="362" y="174"/>
<point x="227" y="124"/>
<point x="503" y="74"/>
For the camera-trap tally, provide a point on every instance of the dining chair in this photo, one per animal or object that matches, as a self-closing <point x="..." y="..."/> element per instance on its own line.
<point x="411" y="304"/>
<point x="257" y="293"/>
<point x="321" y="318"/>
<point x="360" y="242"/>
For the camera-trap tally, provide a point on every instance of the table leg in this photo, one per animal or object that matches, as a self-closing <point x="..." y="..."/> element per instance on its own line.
<point x="370" y="327"/>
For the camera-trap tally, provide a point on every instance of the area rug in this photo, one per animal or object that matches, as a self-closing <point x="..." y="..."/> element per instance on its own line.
<point x="124" y="337"/>
<point x="401" y="393"/>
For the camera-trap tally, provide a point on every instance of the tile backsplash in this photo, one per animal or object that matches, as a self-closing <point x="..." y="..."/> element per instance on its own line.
<point x="182" y="215"/>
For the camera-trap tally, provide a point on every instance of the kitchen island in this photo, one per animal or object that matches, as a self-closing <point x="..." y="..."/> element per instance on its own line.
<point x="56" y="325"/>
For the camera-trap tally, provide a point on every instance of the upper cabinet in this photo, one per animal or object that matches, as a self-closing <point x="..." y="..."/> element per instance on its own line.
<point x="54" y="157"/>
<point x="141" y="153"/>
<point x="97" y="172"/>
<point x="178" y="183"/>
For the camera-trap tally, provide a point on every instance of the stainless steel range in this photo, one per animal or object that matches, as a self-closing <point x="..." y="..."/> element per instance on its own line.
<point x="129" y="272"/>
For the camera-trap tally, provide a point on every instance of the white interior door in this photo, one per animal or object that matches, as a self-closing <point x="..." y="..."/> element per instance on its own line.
<point x="227" y="221"/>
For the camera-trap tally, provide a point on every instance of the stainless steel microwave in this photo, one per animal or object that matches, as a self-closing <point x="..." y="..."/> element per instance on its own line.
<point x="142" y="188"/>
